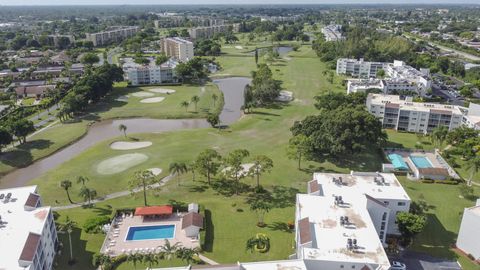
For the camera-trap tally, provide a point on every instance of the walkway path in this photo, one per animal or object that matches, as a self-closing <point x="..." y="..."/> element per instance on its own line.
<point x="49" y="118"/>
<point x="114" y="195"/>
<point x="207" y="260"/>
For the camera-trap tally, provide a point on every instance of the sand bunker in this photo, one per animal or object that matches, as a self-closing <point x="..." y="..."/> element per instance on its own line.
<point x="143" y="94"/>
<point x="244" y="172"/>
<point x="129" y="145"/>
<point x="162" y="91"/>
<point x="122" y="98"/>
<point x="239" y="47"/>
<point x="155" y="171"/>
<point x="152" y="100"/>
<point x="120" y="163"/>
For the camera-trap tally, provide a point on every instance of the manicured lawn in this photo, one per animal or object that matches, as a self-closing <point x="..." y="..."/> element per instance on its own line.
<point x="41" y="145"/>
<point x="408" y="140"/>
<point x="444" y="217"/>
<point x="168" y="108"/>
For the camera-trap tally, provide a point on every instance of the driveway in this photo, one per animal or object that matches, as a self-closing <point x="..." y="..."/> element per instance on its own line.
<point x="420" y="261"/>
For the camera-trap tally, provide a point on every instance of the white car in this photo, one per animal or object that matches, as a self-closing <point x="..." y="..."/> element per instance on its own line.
<point x="398" y="266"/>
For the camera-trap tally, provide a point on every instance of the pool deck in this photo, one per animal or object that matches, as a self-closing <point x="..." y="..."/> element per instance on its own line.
<point x="115" y="243"/>
<point x="406" y="154"/>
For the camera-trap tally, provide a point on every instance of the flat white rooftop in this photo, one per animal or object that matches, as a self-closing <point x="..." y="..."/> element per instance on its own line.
<point x="379" y="99"/>
<point x="17" y="223"/>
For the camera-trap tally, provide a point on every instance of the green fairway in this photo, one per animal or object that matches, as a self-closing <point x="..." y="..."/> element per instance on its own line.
<point x="122" y="102"/>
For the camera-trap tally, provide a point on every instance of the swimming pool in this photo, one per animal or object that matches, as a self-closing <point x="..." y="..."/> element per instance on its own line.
<point x="421" y="162"/>
<point x="398" y="162"/>
<point x="150" y="232"/>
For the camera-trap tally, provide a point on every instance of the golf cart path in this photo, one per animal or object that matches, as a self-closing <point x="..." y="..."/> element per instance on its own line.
<point x="115" y="195"/>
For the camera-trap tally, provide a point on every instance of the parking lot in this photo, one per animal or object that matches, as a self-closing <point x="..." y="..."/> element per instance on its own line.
<point x="420" y="261"/>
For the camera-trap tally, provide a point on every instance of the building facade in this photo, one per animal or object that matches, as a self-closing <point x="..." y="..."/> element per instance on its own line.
<point x="28" y="235"/>
<point x="358" y="68"/>
<point x="112" y="36"/>
<point x="209" y="31"/>
<point x="150" y="74"/>
<point x="406" y="115"/>
<point x="332" y="32"/>
<point x="177" y="48"/>
<point x="467" y="239"/>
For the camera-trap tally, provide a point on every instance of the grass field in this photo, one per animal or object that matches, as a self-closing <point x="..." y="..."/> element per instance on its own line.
<point x="266" y="131"/>
<point x="168" y="108"/>
<point x="444" y="217"/>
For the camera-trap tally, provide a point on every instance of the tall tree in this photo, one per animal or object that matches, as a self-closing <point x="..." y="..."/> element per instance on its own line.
<point x="169" y="250"/>
<point x="5" y="138"/>
<point x="186" y="254"/>
<point x="473" y="165"/>
<point x="103" y="261"/>
<point x="256" y="56"/>
<point x="135" y="258"/>
<point x="142" y="179"/>
<point x="88" y="194"/>
<point x="195" y="100"/>
<point x="298" y="148"/>
<point x="66" y="185"/>
<point x="123" y="128"/>
<point x="89" y="59"/>
<point x="439" y="135"/>
<point x="178" y="168"/>
<point x="207" y="163"/>
<point x="150" y="259"/>
<point x="214" y="99"/>
<point x="68" y="226"/>
<point x="410" y="225"/>
<point x="82" y="179"/>
<point x="261" y="164"/>
<point x="234" y="165"/>
<point x="185" y="105"/>
<point x="21" y="128"/>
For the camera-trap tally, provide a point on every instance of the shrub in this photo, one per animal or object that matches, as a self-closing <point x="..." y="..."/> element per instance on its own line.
<point x="93" y="225"/>
<point x="427" y="181"/>
<point x="448" y="182"/>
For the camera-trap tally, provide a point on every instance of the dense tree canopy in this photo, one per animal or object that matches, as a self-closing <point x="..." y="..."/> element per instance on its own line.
<point x="264" y="88"/>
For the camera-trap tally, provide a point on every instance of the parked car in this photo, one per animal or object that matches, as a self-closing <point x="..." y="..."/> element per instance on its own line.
<point x="398" y="266"/>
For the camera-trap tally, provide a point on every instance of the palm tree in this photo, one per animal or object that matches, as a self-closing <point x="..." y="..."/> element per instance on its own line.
<point x="260" y="242"/>
<point x="83" y="180"/>
<point x="123" y="129"/>
<point x="142" y="179"/>
<point x="169" y="250"/>
<point x="150" y="259"/>
<point x="67" y="184"/>
<point x="68" y="227"/>
<point x="88" y="194"/>
<point x="192" y="167"/>
<point x="178" y="168"/>
<point x="187" y="254"/>
<point x="185" y="104"/>
<point x="473" y="165"/>
<point x="214" y="98"/>
<point x="439" y="135"/>
<point x="102" y="260"/>
<point x="195" y="100"/>
<point x="134" y="259"/>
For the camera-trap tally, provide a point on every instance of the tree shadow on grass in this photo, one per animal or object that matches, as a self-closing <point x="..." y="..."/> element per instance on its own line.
<point x="229" y="188"/>
<point x="435" y="239"/>
<point x="283" y="197"/>
<point x="280" y="226"/>
<point x="101" y="211"/>
<point x="199" y="188"/>
<point x="207" y="244"/>
<point x="83" y="258"/>
<point x="35" y="144"/>
<point x="16" y="158"/>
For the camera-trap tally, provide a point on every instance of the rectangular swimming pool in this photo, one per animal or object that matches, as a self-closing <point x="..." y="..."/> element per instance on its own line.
<point x="150" y="232"/>
<point x="421" y="162"/>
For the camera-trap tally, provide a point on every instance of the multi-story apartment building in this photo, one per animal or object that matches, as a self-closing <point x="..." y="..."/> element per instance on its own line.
<point x="345" y="213"/>
<point x="177" y="48"/>
<point x="406" y="115"/>
<point x="358" y="68"/>
<point x="400" y="78"/>
<point x="467" y="239"/>
<point x="332" y="32"/>
<point x="28" y="237"/>
<point x="209" y="31"/>
<point x="342" y="223"/>
<point x="149" y="74"/>
<point x="114" y="35"/>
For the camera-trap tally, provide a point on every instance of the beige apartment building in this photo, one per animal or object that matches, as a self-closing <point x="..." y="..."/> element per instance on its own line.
<point x="177" y="48"/>
<point x="114" y="35"/>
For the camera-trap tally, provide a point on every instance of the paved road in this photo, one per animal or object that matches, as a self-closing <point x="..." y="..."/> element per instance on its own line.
<point x="420" y="261"/>
<point x="42" y="115"/>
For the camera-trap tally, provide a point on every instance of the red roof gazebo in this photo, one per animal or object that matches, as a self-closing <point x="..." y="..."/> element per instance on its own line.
<point x="161" y="210"/>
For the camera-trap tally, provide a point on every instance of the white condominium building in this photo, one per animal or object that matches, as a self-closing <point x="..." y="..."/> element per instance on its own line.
<point x="358" y="68"/>
<point x="400" y="78"/>
<point x="467" y="239"/>
<point x="406" y="115"/>
<point x="149" y="74"/>
<point x="332" y="32"/>
<point x="28" y="236"/>
<point x="177" y="48"/>
<point x="114" y="35"/>
<point x="344" y="219"/>
<point x="209" y="31"/>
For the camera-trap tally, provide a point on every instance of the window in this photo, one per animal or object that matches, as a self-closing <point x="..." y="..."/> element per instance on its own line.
<point x="382" y="227"/>
<point x="384" y="217"/>
<point x="341" y="266"/>
<point x="386" y="202"/>
<point x="401" y="203"/>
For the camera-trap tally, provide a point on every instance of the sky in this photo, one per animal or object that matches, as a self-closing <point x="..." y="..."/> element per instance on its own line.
<point x="189" y="2"/>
